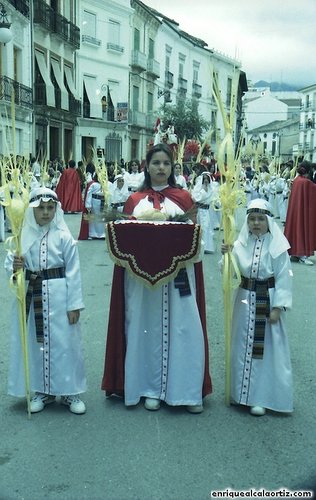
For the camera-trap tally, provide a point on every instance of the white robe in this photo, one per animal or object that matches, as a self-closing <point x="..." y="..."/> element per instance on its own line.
<point x="282" y="192"/>
<point x="119" y="195"/>
<point x="57" y="364"/>
<point x="265" y="382"/>
<point x="205" y="216"/>
<point x="164" y="337"/>
<point x="180" y="181"/>
<point x="96" y="229"/>
<point x="134" y="180"/>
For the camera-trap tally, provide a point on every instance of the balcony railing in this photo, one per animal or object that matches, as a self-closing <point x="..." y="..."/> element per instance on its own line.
<point x="60" y="26"/>
<point x="169" y="79"/>
<point x="40" y="94"/>
<point x="22" y="6"/>
<point x="91" y="39"/>
<point x="139" y="59"/>
<point x="137" y="119"/>
<point x="74" y="105"/>
<point x="196" y="90"/>
<point x="113" y="47"/>
<point x="86" y="109"/>
<point x="74" y="35"/>
<point x="150" y="119"/>
<point x="153" y="68"/>
<point x="57" y="98"/>
<point x="40" y="99"/>
<point x="182" y="84"/>
<point x="23" y="96"/>
<point x="56" y="23"/>
<point x="308" y="106"/>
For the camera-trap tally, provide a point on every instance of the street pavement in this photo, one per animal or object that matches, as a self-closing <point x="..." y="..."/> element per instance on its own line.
<point x="118" y="453"/>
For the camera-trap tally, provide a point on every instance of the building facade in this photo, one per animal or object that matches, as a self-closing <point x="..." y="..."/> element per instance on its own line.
<point x="102" y="72"/>
<point x="307" y="134"/>
<point x="277" y="138"/>
<point x="55" y="42"/>
<point x="98" y="74"/>
<point x="16" y="127"/>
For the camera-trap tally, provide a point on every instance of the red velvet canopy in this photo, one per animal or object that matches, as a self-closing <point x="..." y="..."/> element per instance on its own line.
<point x="153" y="251"/>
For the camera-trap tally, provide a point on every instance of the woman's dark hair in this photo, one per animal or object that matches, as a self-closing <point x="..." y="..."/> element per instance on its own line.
<point x="130" y="165"/>
<point x="90" y="168"/>
<point x="198" y="168"/>
<point x="157" y="149"/>
<point x="305" y="168"/>
<point x="72" y="164"/>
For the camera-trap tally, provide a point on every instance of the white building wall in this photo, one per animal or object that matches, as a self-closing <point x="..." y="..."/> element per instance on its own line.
<point x="263" y="110"/>
<point x="109" y="66"/>
<point x="144" y="72"/>
<point x="210" y="62"/>
<point x="226" y="69"/>
<point x="112" y="68"/>
<point x="20" y="142"/>
<point x="307" y="140"/>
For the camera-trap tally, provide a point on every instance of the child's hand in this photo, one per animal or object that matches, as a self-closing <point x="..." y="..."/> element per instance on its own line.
<point x="73" y="317"/>
<point x="274" y="315"/>
<point x="18" y="263"/>
<point x="226" y="248"/>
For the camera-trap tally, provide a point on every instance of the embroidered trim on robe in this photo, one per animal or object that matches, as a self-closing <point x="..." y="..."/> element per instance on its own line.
<point x="261" y="287"/>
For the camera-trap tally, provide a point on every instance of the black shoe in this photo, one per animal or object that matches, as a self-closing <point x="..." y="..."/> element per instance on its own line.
<point x="294" y="259"/>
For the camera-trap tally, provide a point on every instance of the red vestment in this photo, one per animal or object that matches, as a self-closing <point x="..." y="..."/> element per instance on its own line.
<point x="113" y="376"/>
<point x="300" y="225"/>
<point x="69" y="192"/>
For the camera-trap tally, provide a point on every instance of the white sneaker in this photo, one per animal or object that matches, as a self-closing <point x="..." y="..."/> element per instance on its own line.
<point x="258" y="411"/>
<point x="39" y="401"/>
<point x="305" y="260"/>
<point x="74" y="403"/>
<point x="152" y="404"/>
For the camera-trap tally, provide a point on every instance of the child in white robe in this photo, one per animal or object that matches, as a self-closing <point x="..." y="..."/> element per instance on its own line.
<point x="202" y="194"/>
<point x="94" y="204"/>
<point x="178" y="177"/>
<point x="261" y="373"/>
<point x="53" y="303"/>
<point x="119" y="193"/>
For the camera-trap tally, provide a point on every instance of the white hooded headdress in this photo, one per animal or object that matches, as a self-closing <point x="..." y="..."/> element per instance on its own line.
<point x="31" y="230"/>
<point x="279" y="243"/>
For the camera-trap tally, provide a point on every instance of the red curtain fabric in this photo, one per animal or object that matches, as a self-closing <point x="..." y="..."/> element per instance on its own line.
<point x="153" y="252"/>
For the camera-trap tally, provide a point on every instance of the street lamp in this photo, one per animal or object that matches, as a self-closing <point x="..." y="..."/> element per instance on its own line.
<point x="165" y="93"/>
<point x="5" y="32"/>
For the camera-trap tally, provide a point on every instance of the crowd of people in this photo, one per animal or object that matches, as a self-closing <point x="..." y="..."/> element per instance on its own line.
<point x="156" y="304"/>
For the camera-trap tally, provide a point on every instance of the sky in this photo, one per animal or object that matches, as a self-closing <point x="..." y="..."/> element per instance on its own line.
<point x="273" y="39"/>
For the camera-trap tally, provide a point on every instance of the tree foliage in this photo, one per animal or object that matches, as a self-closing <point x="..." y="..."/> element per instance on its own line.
<point x="185" y="118"/>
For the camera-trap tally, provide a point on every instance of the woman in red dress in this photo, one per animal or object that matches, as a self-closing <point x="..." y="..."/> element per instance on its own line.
<point x="300" y="224"/>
